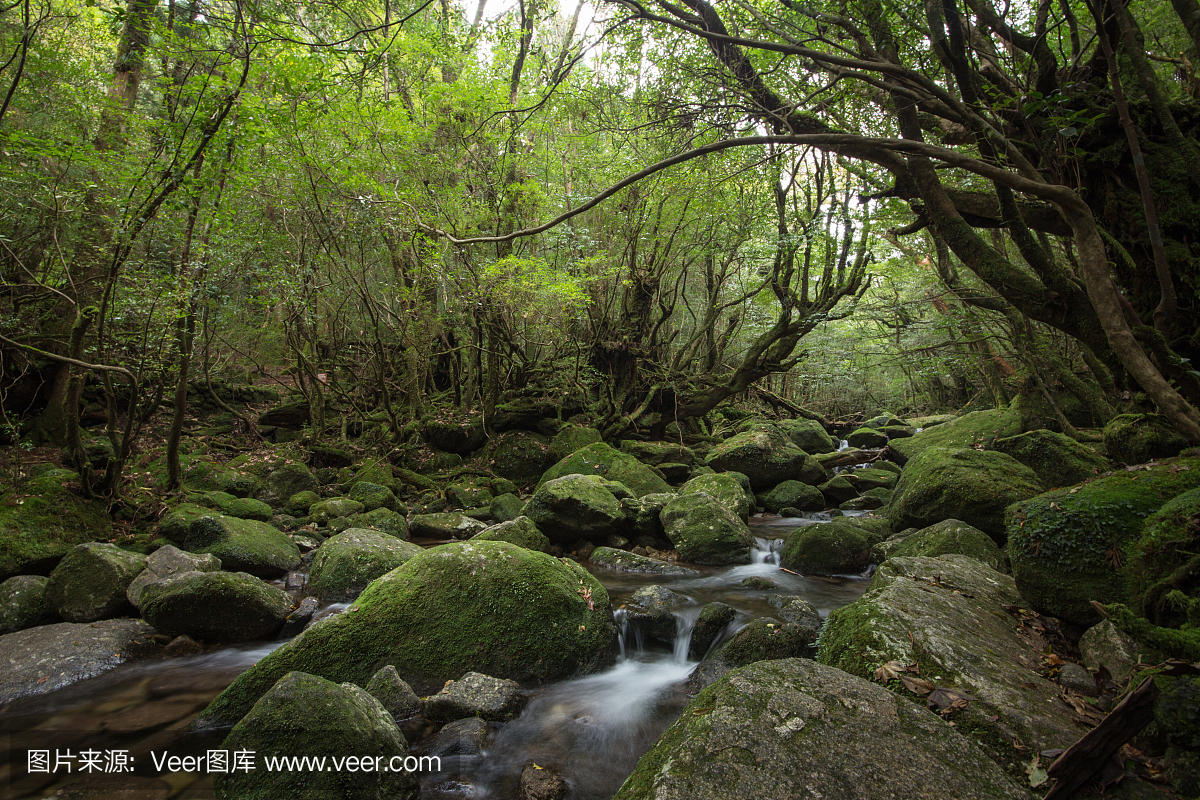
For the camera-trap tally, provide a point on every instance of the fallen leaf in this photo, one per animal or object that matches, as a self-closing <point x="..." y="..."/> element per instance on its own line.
<point x="1037" y="775"/>
<point x="889" y="671"/>
<point x="942" y="698"/>
<point x="917" y="686"/>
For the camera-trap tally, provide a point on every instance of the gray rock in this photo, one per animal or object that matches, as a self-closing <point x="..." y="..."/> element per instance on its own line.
<point x="298" y="619"/>
<point x="450" y="525"/>
<point x="90" y="582"/>
<point x="714" y="618"/>
<point x="579" y="507"/>
<point x="49" y="657"/>
<point x="625" y="561"/>
<point x="464" y="737"/>
<point x="1104" y="645"/>
<point x="165" y="562"/>
<point x="798" y="611"/>
<point x="397" y="697"/>
<point x="780" y="730"/>
<point x="651" y="610"/>
<point x="216" y="606"/>
<point x="241" y="545"/>
<point x="506" y="507"/>
<point x="731" y="489"/>
<point x="539" y="783"/>
<point x="704" y="531"/>
<point x="476" y="695"/>
<point x="23" y="604"/>
<point x="1078" y="679"/>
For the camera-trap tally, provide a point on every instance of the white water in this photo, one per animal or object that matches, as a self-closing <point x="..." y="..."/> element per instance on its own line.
<point x="842" y="445"/>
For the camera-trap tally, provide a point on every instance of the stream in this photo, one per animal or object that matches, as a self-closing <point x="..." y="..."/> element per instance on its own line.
<point x="590" y="729"/>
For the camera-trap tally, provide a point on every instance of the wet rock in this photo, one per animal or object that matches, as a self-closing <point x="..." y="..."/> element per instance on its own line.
<point x="730" y="489"/>
<point x="970" y="485"/>
<point x="837" y="547"/>
<point x="487" y="606"/>
<point x="299" y="619"/>
<point x="49" y="657"/>
<point x="630" y="561"/>
<point x="216" y="606"/>
<point x="165" y="562"/>
<point x="778" y="730"/>
<point x="464" y="737"/>
<point x="23" y="604"/>
<point x="373" y="496"/>
<point x="651" y="610"/>
<point x="449" y="525"/>
<point x="44" y="522"/>
<point x="306" y="714"/>
<point x="795" y="610"/>
<point x="1105" y="645"/>
<point x="539" y="783"/>
<point x="767" y="457"/>
<point x="1138" y="438"/>
<point x="578" y="506"/>
<point x="793" y="494"/>
<point x="867" y="438"/>
<point x="713" y="620"/>
<point x="476" y="695"/>
<point x="346" y="563"/>
<point x="183" y="646"/>
<point x="951" y="536"/>
<point x="948" y="615"/>
<point x="1057" y="460"/>
<point x="704" y="531"/>
<point x="1077" y="679"/>
<point x="767" y="638"/>
<point x="394" y="694"/>
<point x="90" y="582"/>
<point x="519" y="531"/>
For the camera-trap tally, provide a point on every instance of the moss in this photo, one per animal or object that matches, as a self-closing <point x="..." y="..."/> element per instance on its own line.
<point x="809" y="435"/>
<point x="705" y="532"/>
<point x="376" y="471"/>
<point x="1169" y="539"/>
<point x="728" y="488"/>
<point x="1067" y="546"/>
<point x="793" y="494"/>
<point x="40" y="524"/>
<point x="978" y="427"/>
<point x="373" y="496"/>
<point x="346" y="563"/>
<point x="868" y="438"/>
<point x="846" y="641"/>
<point x="520" y="531"/>
<point x="952" y="536"/>
<point x="299" y="503"/>
<point x="472" y="493"/>
<point x="765" y="639"/>
<point x="1138" y="438"/>
<point x="828" y="548"/>
<point x="489" y="607"/>
<point x="571" y="438"/>
<point x="235" y="607"/>
<point x="89" y="583"/>
<point x="1058" y="460"/>
<point x="767" y="456"/>
<point x="242" y="545"/>
<point x="1171" y="642"/>
<point x="383" y="520"/>
<point x="600" y="459"/>
<point x="519" y="456"/>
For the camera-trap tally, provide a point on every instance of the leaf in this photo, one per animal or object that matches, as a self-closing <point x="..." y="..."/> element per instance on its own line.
<point x="1037" y="775"/>
<point x="918" y="686"/>
<point x="942" y="698"/>
<point x="889" y="671"/>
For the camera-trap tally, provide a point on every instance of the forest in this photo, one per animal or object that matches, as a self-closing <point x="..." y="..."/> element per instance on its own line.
<point x="600" y="400"/>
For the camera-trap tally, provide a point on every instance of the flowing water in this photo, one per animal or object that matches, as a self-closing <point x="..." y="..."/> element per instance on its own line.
<point x="591" y="729"/>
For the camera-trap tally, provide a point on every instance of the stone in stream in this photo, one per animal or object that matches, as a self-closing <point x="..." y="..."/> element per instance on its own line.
<point x="838" y="490"/>
<point x="950" y="616"/>
<point x="346" y="563"/>
<point x="948" y="537"/>
<point x="730" y="489"/>
<point x="216" y="606"/>
<point x="808" y="434"/>
<point x="299" y="619"/>
<point x="90" y="582"/>
<point x="767" y="456"/>
<point x="704" y="531"/>
<point x="625" y="561"/>
<point x="838" y="547"/>
<point x="778" y="730"/>
<point x="714" y="618"/>
<point x="492" y="607"/>
<point x="579" y="507"/>
<point x="977" y="428"/>
<point x="397" y="697"/>
<point x="49" y="657"/>
<point x="23" y="604"/>
<point x="464" y="737"/>
<point x="448" y="525"/>
<point x="307" y="715"/>
<point x="867" y="438"/>
<point x="476" y="695"/>
<point x="519" y="531"/>
<point x="793" y="494"/>
<point x="241" y="545"/>
<point x="651" y="610"/>
<point x="539" y="783"/>
<point x="165" y="562"/>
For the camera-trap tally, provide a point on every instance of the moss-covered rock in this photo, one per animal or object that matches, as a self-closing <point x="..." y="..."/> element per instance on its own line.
<point x="242" y="545"/>
<point x="967" y="431"/>
<point x="216" y="606"/>
<point x="898" y="431"/>
<point x="952" y="536"/>
<point x="867" y="438"/>
<point x="1177" y="715"/>
<point x="240" y="507"/>
<point x="704" y="531"/>
<point x="346" y="563"/>
<point x="163" y="564"/>
<point x="793" y="494"/>
<point x="600" y="459"/>
<point x="948" y="616"/>
<point x="1138" y="438"/>
<point x="571" y="438"/>
<point x="838" y="547"/>
<point x="874" y="477"/>
<point x="41" y="523"/>
<point x="23" y="604"/>
<point x="870" y="501"/>
<point x="809" y="435"/>
<point x="767" y="638"/>
<point x="779" y="730"/>
<point x="520" y="456"/>
<point x="658" y="453"/>
<point x="1058" y="460"/>
<point x="506" y="507"/>
<point x="308" y="715"/>
<point x="838" y="490"/>
<point x="373" y="496"/>
<point x="974" y="486"/>
<point x="90" y="582"/>
<point x="326" y="510"/>
<point x="447" y="525"/>
<point x="578" y="507"/>
<point x="1169" y="539"/>
<point x="282" y="480"/>
<point x="299" y="503"/>
<point x="625" y="561"/>
<point x="394" y="694"/>
<point x="1066" y="546"/>
<point x="520" y="531"/>
<point x="767" y="456"/>
<point x="461" y="434"/>
<point x="381" y="519"/>
<point x="470" y="493"/>
<point x="376" y="471"/>
<point x="730" y="489"/>
<point x="484" y="606"/>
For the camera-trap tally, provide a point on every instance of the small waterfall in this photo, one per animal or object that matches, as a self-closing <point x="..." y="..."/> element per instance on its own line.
<point x="685" y="623"/>
<point x="842" y="445"/>
<point x="766" y="551"/>
<point x="624" y="629"/>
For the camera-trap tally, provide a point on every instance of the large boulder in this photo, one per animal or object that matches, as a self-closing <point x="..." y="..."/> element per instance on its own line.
<point x="305" y="715"/>
<point x="951" y="616"/>
<point x="41" y="524"/>
<point x="520" y="456"/>
<point x="1138" y="438"/>
<point x="967" y="431"/>
<point x="448" y="525"/>
<point x="730" y="489"/>
<point x="600" y="459"/>
<point x="216" y="606"/>
<point x="461" y="433"/>
<point x="838" y="547"/>
<point x="283" y="479"/>
<point x="346" y="563"/>
<point x="974" y="486"/>
<point x="658" y="453"/>
<point x="704" y="531"/>
<point x="867" y="438"/>
<point x="164" y="563"/>
<point x="951" y="536"/>
<point x="1169" y="539"/>
<point x="491" y="607"/>
<point x="383" y="520"/>
<point x="571" y="438"/>
<point x="373" y="496"/>
<point x="23" y="604"/>
<point x="809" y="435"/>
<point x="625" y="561"/>
<point x="326" y="511"/>
<point x="778" y="730"/>
<point x="90" y="582"/>
<point x="49" y="657"/>
<point x="242" y="545"/>
<point x="1058" y="460"/>
<point x="241" y="507"/>
<point x="520" y="531"/>
<point x="767" y="457"/>
<point x="1067" y="546"/>
<point x="578" y="507"/>
<point x="793" y="494"/>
